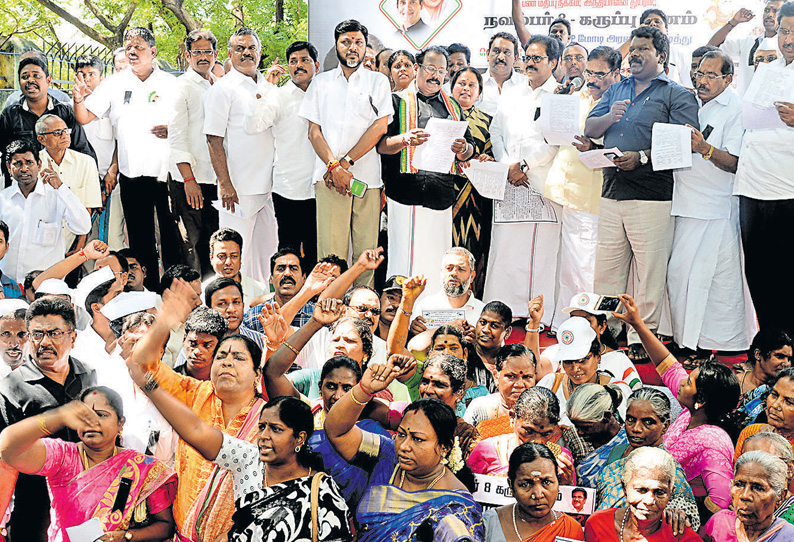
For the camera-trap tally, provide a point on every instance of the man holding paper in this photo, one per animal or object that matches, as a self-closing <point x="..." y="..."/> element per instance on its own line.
<point x="524" y="248"/>
<point x="765" y="187"/>
<point x="420" y="191"/>
<point x="634" y="221"/>
<point x="705" y="280"/>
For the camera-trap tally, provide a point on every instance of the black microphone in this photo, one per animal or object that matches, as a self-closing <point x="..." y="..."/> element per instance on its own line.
<point x="574" y="84"/>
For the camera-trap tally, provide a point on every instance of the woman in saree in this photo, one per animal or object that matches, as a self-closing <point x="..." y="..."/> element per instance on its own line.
<point x="281" y="493"/>
<point x="648" y="483"/>
<point x="647" y="419"/>
<point x="413" y="492"/>
<point x="130" y="493"/>
<point x="402" y="67"/>
<point x="696" y="439"/>
<point x="778" y="414"/>
<point x="759" y="486"/>
<point x="533" y="480"/>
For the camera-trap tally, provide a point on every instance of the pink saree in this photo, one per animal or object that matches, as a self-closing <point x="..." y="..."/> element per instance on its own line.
<point x="79" y="495"/>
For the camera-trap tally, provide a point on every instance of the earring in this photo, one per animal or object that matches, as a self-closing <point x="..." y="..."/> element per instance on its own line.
<point x="297" y="449"/>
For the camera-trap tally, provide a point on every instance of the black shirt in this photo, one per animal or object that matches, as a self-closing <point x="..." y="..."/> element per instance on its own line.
<point x="24" y="393"/>
<point x="425" y="188"/>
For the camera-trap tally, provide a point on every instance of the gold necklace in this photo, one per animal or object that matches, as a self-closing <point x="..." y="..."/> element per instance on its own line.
<point x="84" y="456"/>
<point x="432" y="483"/>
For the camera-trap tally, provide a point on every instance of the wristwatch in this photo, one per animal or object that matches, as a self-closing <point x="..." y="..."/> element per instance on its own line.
<point x="643" y="158"/>
<point x="349" y="160"/>
<point x="127" y="535"/>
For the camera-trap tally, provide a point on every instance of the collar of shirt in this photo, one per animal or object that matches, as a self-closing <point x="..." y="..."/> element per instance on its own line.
<point x="292" y="88"/>
<point x="631" y="81"/>
<point x="30" y="372"/>
<point x="513" y="80"/>
<point x="781" y="62"/>
<point x="550" y="85"/>
<point x="39" y="190"/>
<point x="339" y="74"/>
<point x="68" y="158"/>
<point x="245" y="79"/>
<point x="50" y="104"/>
<point x="723" y="98"/>
<point x="194" y="77"/>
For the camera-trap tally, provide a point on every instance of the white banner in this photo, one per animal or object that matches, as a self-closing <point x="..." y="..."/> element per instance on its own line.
<point x="472" y="22"/>
<point x="492" y="491"/>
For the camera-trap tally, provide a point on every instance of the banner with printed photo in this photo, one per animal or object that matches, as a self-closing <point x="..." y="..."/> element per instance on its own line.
<point x="472" y="22"/>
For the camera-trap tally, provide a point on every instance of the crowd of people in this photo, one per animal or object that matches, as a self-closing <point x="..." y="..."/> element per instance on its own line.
<point x="202" y="337"/>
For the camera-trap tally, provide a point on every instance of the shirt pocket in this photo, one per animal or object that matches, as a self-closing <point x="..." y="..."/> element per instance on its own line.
<point x="46" y="233"/>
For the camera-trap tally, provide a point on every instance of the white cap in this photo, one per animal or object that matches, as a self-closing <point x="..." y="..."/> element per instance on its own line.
<point x="585" y="301"/>
<point x="575" y="337"/>
<point x="128" y="303"/>
<point x="90" y="282"/>
<point x="769" y="44"/>
<point x="55" y="287"/>
<point x="7" y="306"/>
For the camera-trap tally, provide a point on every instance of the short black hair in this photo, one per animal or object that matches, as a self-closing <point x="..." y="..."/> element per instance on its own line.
<point x="420" y="58"/>
<point x="611" y="56"/>
<point x="333" y="259"/>
<point x="350" y="25"/>
<point x="767" y="341"/>
<point x="39" y="61"/>
<point x="123" y="263"/>
<point x="396" y="54"/>
<point x="515" y="350"/>
<point x="128" y="254"/>
<point x="30" y="276"/>
<point x="377" y="56"/>
<point x="219" y="284"/>
<point x="579" y="490"/>
<point x="353" y="289"/>
<point x="208" y="321"/>
<point x="503" y="311"/>
<point x="4" y="229"/>
<point x="177" y="271"/>
<point x="561" y="20"/>
<point x="727" y="62"/>
<point x="89" y="61"/>
<point x="654" y="11"/>
<point x="140" y="32"/>
<point x="786" y="10"/>
<point x="200" y="34"/>
<point x="21" y="146"/>
<point x="283" y="252"/>
<point x="505" y="36"/>
<point x="467" y="69"/>
<point x="703" y="49"/>
<point x="460" y="48"/>
<point x="96" y="295"/>
<point x="51" y="306"/>
<point x="553" y="46"/>
<point x="296" y="46"/>
<point x="226" y="234"/>
<point x="340" y="362"/>
<point x="659" y="39"/>
<point x="718" y="387"/>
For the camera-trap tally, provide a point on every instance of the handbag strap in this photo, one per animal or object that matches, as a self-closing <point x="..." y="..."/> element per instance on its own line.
<point x="315" y="497"/>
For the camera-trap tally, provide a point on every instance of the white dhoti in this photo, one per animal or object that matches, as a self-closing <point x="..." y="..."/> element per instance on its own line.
<point x="709" y="300"/>
<point x="418" y="239"/>
<point x="259" y="231"/>
<point x="578" y="243"/>
<point x="523" y="262"/>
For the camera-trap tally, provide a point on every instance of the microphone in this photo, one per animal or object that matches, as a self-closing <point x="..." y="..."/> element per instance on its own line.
<point x="574" y="84"/>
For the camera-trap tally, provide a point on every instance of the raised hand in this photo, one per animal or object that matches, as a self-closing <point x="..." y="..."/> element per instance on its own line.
<point x="77" y="415"/>
<point x="274" y="72"/>
<point x="273" y="324"/>
<point x="535" y="310"/>
<point x="414" y="286"/>
<point x="328" y="311"/>
<point x="742" y="16"/>
<point x="320" y="278"/>
<point x="80" y="90"/>
<point x="95" y="249"/>
<point x="402" y="364"/>
<point x="632" y="315"/>
<point x="378" y="376"/>
<point x="49" y="176"/>
<point x="178" y="302"/>
<point x="371" y="258"/>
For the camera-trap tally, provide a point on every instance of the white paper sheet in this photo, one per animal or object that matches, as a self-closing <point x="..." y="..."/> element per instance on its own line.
<point x="489" y="178"/>
<point x="770" y="84"/>
<point x="760" y="118"/>
<point x="442" y="317"/>
<point x="671" y="146"/>
<point x="236" y="212"/>
<point x="86" y="532"/>
<point x="436" y="154"/>
<point x="598" y="158"/>
<point x="559" y="118"/>
<point x="522" y="204"/>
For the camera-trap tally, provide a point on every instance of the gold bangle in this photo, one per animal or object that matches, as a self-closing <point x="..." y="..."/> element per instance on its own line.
<point x="359" y="403"/>
<point x="707" y="156"/>
<point x="294" y="350"/>
<point x="43" y="425"/>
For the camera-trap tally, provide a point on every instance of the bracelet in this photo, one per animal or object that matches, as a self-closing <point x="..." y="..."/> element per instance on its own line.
<point x="188" y="179"/>
<point x="83" y="254"/>
<point x="405" y="312"/>
<point x="331" y="165"/>
<point x="707" y="156"/>
<point x="365" y="392"/>
<point x="359" y="403"/>
<point x="43" y="425"/>
<point x="731" y="24"/>
<point x="532" y="330"/>
<point x="294" y="350"/>
<point x="151" y="383"/>
<point x="334" y="166"/>
<point x="81" y="101"/>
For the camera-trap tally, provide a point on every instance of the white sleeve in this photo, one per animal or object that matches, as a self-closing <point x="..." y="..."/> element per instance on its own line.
<point x="99" y="101"/>
<point x="382" y="98"/>
<point x="263" y="112"/>
<point x="178" y="130"/>
<point x="497" y="138"/>
<point x="77" y="218"/>
<point x="310" y="106"/>
<point x="217" y="104"/>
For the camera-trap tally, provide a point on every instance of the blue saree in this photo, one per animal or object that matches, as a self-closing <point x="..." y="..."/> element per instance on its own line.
<point x="589" y="469"/>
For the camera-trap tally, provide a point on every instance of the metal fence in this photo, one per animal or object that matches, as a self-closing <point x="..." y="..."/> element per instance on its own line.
<point x="61" y="57"/>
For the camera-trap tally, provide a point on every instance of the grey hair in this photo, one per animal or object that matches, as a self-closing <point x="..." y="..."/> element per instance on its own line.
<point x="453" y="367"/>
<point x="649" y="457"/>
<point x="140" y="32"/>
<point x="775" y="468"/>
<point x="363" y="330"/>
<point x="536" y="403"/>
<point x="660" y="403"/>
<point x="779" y="443"/>
<point x="246" y="31"/>
<point x="460" y="251"/>
<point x="41" y="124"/>
<point x="590" y="402"/>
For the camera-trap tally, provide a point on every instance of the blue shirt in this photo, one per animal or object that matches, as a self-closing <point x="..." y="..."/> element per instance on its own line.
<point x="663" y="101"/>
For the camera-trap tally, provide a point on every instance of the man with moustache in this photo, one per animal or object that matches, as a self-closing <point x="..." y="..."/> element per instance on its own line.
<point x="705" y="281"/>
<point x="766" y="194"/>
<point x="276" y="109"/>
<point x="503" y="50"/>
<point x="50" y="377"/>
<point x="390" y="298"/>
<point x="204" y="329"/>
<point x="348" y="110"/>
<point x="697" y="56"/>
<point x="13" y="335"/>
<point x="420" y="202"/>
<point x="578" y="188"/>
<point x="193" y="183"/>
<point x="634" y="220"/>
<point x="574" y="57"/>
<point x="243" y="162"/>
<point x="742" y="49"/>
<point x="521" y="272"/>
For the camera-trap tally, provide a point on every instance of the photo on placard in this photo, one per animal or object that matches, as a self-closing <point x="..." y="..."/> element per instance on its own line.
<point x="416" y="22"/>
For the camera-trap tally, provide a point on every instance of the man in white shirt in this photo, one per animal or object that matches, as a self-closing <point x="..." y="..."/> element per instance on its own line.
<point x="243" y="162"/>
<point x="13" y="335"/>
<point x="34" y="211"/>
<point x="523" y="258"/>
<point x="742" y="49"/>
<point x="503" y="50"/>
<point x="193" y="183"/>
<point x="76" y="170"/>
<point x="226" y="249"/>
<point x="96" y="343"/>
<point x="348" y="109"/>
<point x="138" y="102"/>
<point x="705" y="281"/>
<point x="277" y="108"/>
<point x="765" y="188"/>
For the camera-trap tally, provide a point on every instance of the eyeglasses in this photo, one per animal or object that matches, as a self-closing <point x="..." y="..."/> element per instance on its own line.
<point x="432" y="69"/>
<point x="200" y="52"/>
<point x="362" y="309"/>
<point x="764" y="59"/>
<point x="597" y="75"/>
<point x="707" y="76"/>
<point x="535" y="59"/>
<point x="58" y="133"/>
<point x="22" y="335"/>
<point x="578" y="58"/>
<point x="54" y="334"/>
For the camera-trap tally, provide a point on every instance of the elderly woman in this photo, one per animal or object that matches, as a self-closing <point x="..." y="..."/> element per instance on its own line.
<point x="402" y="69"/>
<point x="647" y="419"/>
<point x="515" y="364"/>
<point x="648" y="483"/>
<point x="537" y="415"/>
<point x="759" y="486"/>
<point x="778" y="412"/>
<point x="781" y="448"/>
<point x="696" y="439"/>
<point x="414" y="472"/>
<point x="533" y="480"/>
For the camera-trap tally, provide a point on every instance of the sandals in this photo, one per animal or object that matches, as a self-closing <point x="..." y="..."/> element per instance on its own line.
<point x="637" y="354"/>
<point x="693" y="362"/>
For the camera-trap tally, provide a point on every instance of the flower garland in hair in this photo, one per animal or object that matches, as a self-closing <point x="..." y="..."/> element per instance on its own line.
<point x="454" y="459"/>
